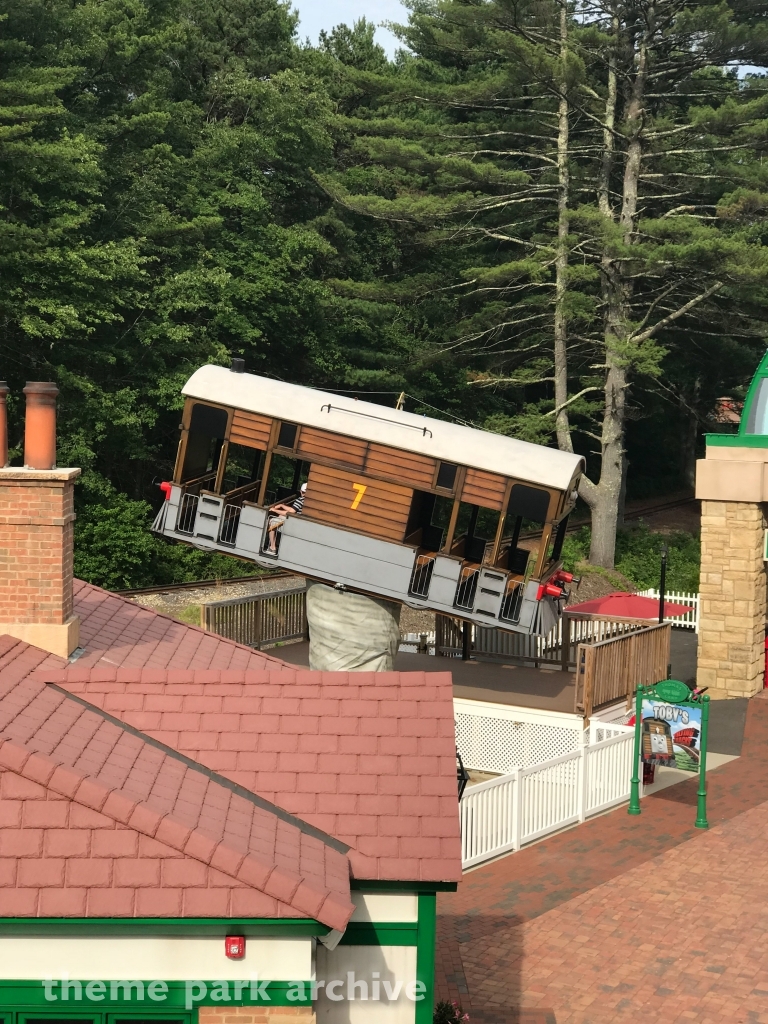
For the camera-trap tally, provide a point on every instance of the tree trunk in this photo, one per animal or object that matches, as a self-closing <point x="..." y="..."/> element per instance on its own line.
<point x="688" y="436"/>
<point x="562" y="423"/>
<point x="605" y="498"/>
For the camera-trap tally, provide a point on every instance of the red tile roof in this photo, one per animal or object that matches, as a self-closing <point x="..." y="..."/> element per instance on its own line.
<point x="115" y="631"/>
<point x="98" y="820"/>
<point x="368" y="758"/>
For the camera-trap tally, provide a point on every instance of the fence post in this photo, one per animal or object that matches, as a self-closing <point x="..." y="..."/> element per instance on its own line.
<point x="565" y="642"/>
<point x="259" y="624"/>
<point x="517" y="809"/>
<point x="582" y="781"/>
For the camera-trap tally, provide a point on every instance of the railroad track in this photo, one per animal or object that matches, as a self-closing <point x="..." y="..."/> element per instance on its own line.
<point x="170" y="588"/>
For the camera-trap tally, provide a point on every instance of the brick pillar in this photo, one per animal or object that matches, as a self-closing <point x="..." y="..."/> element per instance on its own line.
<point x="733" y="598"/>
<point x="36" y="553"/>
<point x="256" y="1015"/>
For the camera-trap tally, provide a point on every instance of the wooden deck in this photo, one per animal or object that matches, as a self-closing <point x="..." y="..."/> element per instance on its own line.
<point x="547" y="689"/>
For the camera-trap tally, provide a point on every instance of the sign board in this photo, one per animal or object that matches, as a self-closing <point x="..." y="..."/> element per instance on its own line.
<point x="670" y="734"/>
<point x="671" y="724"/>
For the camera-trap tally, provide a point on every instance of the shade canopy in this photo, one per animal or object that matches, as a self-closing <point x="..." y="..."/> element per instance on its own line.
<point x="621" y="605"/>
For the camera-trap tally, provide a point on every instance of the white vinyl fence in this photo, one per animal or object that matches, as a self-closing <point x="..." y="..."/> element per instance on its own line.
<point x="688" y="621"/>
<point x="499" y="738"/>
<point x="554" y="774"/>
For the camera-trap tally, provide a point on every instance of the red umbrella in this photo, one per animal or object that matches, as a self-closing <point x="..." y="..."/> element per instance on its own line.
<point x="621" y="605"/>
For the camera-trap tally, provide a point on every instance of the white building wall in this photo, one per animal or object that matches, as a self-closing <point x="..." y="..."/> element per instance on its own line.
<point x="395" y="965"/>
<point x="146" y="958"/>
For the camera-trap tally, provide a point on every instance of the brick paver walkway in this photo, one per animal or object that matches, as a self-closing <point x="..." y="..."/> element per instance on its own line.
<point x="623" y="919"/>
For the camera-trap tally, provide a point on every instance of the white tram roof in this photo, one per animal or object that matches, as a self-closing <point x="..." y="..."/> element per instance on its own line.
<point x="449" y="442"/>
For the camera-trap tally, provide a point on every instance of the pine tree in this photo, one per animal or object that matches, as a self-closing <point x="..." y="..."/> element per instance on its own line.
<point x="597" y="174"/>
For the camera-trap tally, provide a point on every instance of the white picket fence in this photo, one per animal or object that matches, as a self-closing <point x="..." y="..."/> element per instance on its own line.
<point x="552" y="773"/>
<point x="504" y="814"/>
<point x="688" y="621"/>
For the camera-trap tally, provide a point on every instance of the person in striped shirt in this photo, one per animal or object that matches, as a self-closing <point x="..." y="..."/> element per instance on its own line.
<point x="283" y="510"/>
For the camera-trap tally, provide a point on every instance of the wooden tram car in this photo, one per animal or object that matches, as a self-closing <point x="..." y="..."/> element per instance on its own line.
<point x="399" y="506"/>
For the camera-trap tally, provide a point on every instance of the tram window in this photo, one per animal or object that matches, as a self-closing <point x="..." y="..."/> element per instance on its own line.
<point x="207" y="427"/>
<point x="529" y="502"/>
<point x="287" y="436"/>
<point x="516" y="553"/>
<point x="243" y="466"/>
<point x="475" y="528"/>
<point x="559" y="538"/>
<point x="446" y="475"/>
<point x="428" y="520"/>
<point x="285" y="477"/>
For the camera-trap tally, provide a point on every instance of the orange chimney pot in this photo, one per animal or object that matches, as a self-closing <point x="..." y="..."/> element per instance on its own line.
<point x="40" y="425"/>
<point x="4" y="389"/>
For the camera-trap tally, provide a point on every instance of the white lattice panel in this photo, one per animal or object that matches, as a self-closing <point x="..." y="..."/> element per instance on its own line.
<point x="493" y="739"/>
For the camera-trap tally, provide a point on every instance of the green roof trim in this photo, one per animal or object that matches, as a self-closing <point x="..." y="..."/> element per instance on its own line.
<point x="737" y="440"/>
<point x="197" y="926"/>
<point x="376" y="886"/>
<point x="94" y="999"/>
<point x="754" y="412"/>
<point x="367" y="933"/>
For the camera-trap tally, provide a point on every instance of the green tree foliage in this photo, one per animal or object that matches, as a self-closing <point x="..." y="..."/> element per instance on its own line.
<point x="588" y="187"/>
<point x="157" y="213"/>
<point x="184" y="182"/>
<point x="638" y="557"/>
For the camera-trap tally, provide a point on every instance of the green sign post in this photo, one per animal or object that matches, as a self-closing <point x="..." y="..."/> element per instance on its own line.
<point x="670" y="701"/>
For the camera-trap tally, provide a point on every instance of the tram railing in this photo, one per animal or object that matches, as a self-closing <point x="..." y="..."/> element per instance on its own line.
<point x="185" y="520"/>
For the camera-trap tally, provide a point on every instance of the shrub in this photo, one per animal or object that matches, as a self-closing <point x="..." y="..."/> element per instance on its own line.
<point x="115" y="549"/>
<point x="449" y="1013"/>
<point x="638" y="556"/>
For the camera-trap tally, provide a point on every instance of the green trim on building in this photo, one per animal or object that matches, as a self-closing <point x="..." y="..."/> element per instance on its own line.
<point x="99" y="997"/>
<point x="737" y="440"/>
<point x="760" y="374"/>
<point x="365" y="933"/>
<point x="425" y="956"/>
<point x="201" y="927"/>
<point x="374" y="886"/>
<point x="24" y="1016"/>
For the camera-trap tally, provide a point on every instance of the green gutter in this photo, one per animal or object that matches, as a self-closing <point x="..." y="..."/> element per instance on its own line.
<point x="198" y="926"/>
<point x="364" y="933"/>
<point x="374" y="886"/>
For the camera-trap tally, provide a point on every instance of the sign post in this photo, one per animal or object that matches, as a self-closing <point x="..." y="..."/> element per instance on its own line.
<point x="671" y="727"/>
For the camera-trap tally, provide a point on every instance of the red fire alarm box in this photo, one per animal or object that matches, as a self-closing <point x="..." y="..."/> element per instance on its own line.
<point x="234" y="947"/>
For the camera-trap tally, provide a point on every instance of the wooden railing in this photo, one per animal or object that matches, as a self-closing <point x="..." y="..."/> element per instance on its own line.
<point x="537" y="650"/>
<point x="611" y="669"/>
<point x="259" y="620"/>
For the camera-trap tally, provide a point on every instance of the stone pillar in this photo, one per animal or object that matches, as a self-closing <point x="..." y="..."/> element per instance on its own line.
<point x="731" y="660"/>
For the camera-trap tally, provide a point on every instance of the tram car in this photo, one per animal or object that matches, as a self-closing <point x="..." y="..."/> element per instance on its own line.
<point x="376" y="500"/>
<point x="656" y="742"/>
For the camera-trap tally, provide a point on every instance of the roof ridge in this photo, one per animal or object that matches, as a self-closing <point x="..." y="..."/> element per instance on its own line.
<point x="180" y="622"/>
<point x="234" y="787"/>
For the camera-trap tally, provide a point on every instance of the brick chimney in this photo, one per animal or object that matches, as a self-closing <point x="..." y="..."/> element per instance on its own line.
<point x="36" y="531"/>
